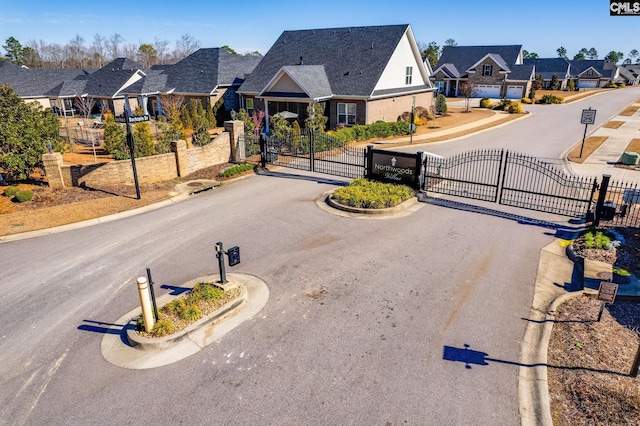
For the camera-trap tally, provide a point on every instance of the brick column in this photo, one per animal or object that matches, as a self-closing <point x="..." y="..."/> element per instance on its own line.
<point x="182" y="162"/>
<point x="235" y="129"/>
<point x="52" y="163"/>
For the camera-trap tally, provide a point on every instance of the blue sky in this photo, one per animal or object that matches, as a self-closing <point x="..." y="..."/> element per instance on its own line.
<point x="540" y="26"/>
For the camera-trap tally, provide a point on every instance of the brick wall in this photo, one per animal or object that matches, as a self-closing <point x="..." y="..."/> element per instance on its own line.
<point x="156" y="168"/>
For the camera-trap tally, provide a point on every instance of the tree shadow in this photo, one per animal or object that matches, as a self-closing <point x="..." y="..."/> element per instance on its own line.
<point x="471" y="357"/>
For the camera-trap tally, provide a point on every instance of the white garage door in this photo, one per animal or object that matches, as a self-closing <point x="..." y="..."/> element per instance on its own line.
<point x="587" y="84"/>
<point x="487" y="91"/>
<point x="514" y="92"/>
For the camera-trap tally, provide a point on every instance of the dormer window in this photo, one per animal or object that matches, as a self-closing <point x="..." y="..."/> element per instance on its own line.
<point x="486" y="70"/>
<point x="408" y="76"/>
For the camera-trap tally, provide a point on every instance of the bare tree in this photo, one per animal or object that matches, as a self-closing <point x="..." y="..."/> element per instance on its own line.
<point x="76" y="52"/>
<point x="171" y="106"/>
<point x="130" y="51"/>
<point x="97" y="50"/>
<point x="468" y="91"/>
<point x="161" y="47"/>
<point x="84" y="104"/>
<point x="185" y="47"/>
<point x="114" y="45"/>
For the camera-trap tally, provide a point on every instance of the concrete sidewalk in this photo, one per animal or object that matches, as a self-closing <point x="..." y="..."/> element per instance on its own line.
<point x="604" y="158"/>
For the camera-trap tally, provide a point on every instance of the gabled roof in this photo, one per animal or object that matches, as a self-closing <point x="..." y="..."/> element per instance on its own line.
<point x="449" y="70"/>
<point x="495" y="58"/>
<point x="465" y="57"/>
<point x="310" y="79"/>
<point x="37" y="82"/>
<point x="109" y="80"/>
<point x="547" y="67"/>
<point x="353" y="58"/>
<point x="206" y="69"/>
<point x="579" y="66"/>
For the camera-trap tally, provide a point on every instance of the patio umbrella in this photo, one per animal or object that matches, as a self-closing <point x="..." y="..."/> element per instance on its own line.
<point x="286" y="114"/>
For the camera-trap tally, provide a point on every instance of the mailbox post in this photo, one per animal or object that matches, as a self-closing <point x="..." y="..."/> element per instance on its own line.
<point x="234" y="258"/>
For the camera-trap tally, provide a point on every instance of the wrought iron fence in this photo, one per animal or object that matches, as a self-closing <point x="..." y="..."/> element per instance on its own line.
<point x="620" y="205"/>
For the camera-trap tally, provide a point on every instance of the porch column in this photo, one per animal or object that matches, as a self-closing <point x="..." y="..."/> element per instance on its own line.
<point x="158" y="105"/>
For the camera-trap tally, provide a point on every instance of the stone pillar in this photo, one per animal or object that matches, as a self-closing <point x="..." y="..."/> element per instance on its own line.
<point x="235" y="129"/>
<point x="182" y="161"/>
<point x="52" y="163"/>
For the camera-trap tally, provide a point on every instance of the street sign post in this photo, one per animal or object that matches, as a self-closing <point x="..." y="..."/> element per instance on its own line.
<point x="588" y="117"/>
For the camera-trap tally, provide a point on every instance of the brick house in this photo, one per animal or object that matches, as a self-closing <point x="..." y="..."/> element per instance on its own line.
<point x="493" y="71"/>
<point x="360" y="75"/>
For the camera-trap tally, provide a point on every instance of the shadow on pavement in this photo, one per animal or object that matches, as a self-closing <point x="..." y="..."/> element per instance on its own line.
<point x="470" y="357"/>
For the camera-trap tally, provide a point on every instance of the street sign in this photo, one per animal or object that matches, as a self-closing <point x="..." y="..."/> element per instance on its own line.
<point x="133" y="118"/>
<point x="607" y="291"/>
<point x="588" y="116"/>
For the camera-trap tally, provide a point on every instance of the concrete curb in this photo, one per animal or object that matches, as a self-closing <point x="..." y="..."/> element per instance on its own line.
<point x="117" y="350"/>
<point x="95" y="221"/>
<point x="401" y="210"/>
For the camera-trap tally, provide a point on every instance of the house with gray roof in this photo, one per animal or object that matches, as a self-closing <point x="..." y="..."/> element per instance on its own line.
<point x="359" y="75"/>
<point x="548" y="67"/>
<point x="492" y="71"/>
<point x="592" y="73"/>
<point x="35" y="85"/>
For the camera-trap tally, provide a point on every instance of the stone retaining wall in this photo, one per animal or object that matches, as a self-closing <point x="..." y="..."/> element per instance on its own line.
<point x="156" y="168"/>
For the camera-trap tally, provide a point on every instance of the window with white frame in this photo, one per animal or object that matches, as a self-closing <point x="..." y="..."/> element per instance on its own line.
<point x="486" y="71"/>
<point x="347" y="114"/>
<point x="249" y="104"/>
<point x="408" y="75"/>
<point x="440" y="86"/>
<point x="589" y="73"/>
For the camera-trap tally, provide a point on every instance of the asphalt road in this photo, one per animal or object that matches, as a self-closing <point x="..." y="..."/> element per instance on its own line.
<point x="370" y="350"/>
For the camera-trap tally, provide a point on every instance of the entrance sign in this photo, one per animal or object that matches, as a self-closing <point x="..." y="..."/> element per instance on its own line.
<point x="607" y="292"/>
<point x="588" y="116"/>
<point x="394" y="167"/>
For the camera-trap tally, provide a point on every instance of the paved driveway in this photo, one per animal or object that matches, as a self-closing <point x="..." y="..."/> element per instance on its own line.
<point x="354" y="332"/>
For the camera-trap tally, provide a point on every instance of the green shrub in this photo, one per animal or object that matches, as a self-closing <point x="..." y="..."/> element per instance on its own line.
<point x="22" y="196"/>
<point x="485" y="103"/>
<point x="191" y="313"/>
<point x="175" y="306"/>
<point x="240" y="168"/>
<point x="441" y="104"/>
<point x="597" y="240"/>
<point x="162" y="328"/>
<point x="10" y="191"/>
<point x="362" y="193"/>
<point x="550" y="99"/>
<point x="515" y="108"/>
<point x="205" y="291"/>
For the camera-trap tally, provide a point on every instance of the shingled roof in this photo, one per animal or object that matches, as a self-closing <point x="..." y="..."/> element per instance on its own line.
<point x="36" y="82"/>
<point x="464" y="57"/>
<point x="206" y="69"/>
<point x="546" y="67"/>
<point x="113" y="77"/>
<point x="353" y="58"/>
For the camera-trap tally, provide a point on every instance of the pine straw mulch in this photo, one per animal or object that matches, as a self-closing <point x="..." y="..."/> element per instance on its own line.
<point x="589" y="361"/>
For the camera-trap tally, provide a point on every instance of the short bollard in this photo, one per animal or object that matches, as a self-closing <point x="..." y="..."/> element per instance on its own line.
<point x="145" y="304"/>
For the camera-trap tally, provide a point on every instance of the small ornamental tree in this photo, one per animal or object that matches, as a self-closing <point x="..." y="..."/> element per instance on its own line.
<point x="143" y="139"/>
<point x="25" y="128"/>
<point x="555" y="84"/>
<point x="256" y="120"/>
<point x="468" y="91"/>
<point x="315" y="118"/>
<point x="280" y="126"/>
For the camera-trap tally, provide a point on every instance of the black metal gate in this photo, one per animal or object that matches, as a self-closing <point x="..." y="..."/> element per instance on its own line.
<point x="511" y="179"/>
<point x="316" y="152"/>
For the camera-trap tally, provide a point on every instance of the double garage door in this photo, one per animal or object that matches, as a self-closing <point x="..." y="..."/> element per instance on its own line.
<point x="488" y="91"/>
<point x="587" y="84"/>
